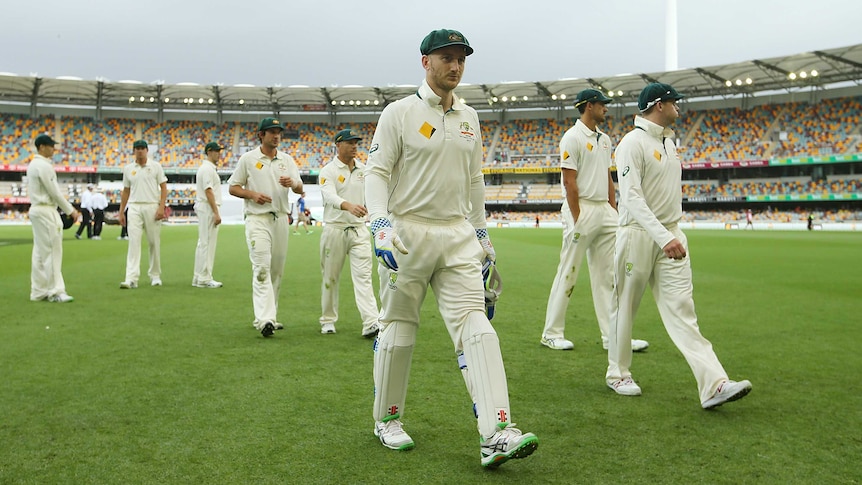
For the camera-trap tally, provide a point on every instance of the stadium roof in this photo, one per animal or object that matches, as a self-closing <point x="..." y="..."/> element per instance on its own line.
<point x="810" y="70"/>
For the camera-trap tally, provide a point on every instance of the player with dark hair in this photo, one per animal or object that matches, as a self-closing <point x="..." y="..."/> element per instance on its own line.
<point x="425" y="191"/>
<point x="652" y="249"/>
<point x="264" y="177"/>
<point x="207" y="203"/>
<point x="589" y="221"/>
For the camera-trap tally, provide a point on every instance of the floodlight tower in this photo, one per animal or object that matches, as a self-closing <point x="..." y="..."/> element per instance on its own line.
<point x="671" y="47"/>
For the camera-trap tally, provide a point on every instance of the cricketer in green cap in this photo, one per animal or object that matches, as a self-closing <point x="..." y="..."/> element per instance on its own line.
<point x="443" y="38"/>
<point x="213" y="146"/>
<point x="268" y="123"/>
<point x="346" y="134"/>
<point x="591" y="96"/>
<point x="654" y="93"/>
<point x="140" y="144"/>
<point x="44" y="139"/>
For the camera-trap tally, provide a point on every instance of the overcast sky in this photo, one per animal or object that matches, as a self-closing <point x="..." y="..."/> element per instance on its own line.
<point x="376" y="42"/>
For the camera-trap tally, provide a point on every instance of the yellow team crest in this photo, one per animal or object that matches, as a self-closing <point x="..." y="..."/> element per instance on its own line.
<point x="657" y="155"/>
<point x="427" y="130"/>
<point x="258" y="165"/>
<point x="590" y="146"/>
<point x="322" y="180"/>
<point x="341" y="179"/>
<point x="565" y="155"/>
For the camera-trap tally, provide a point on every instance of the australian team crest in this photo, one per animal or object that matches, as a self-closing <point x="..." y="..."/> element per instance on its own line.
<point x="466" y="131"/>
<point x="393" y="276"/>
<point x="629" y="267"/>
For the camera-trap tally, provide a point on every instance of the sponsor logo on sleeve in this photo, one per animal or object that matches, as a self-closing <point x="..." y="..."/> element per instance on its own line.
<point x="626" y="170"/>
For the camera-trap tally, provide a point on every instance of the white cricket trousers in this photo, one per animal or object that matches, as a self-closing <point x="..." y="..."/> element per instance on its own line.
<point x="46" y="277"/>
<point x="638" y="261"/>
<point x="446" y="255"/>
<point x="266" y="236"/>
<point x="337" y="243"/>
<point x="592" y="235"/>
<point x="142" y="218"/>
<point x="207" y="240"/>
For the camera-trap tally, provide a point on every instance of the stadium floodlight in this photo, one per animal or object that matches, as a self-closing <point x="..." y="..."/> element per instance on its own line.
<point x="739" y="82"/>
<point x="131" y="99"/>
<point x="728" y="83"/>
<point x="814" y="73"/>
<point x="524" y="98"/>
<point x="619" y="93"/>
<point x="342" y="102"/>
<point x="554" y="97"/>
<point x="152" y="99"/>
<point x="376" y="102"/>
<point x="748" y="81"/>
<point x="334" y="102"/>
<point x="367" y="102"/>
<point x="242" y="101"/>
<point x="494" y="99"/>
<point x="803" y="75"/>
<point x="167" y="100"/>
<point x="142" y="99"/>
<point x="504" y="99"/>
<point x="611" y="93"/>
<point x="210" y="101"/>
<point x="792" y="76"/>
<point x="563" y="96"/>
<point x="200" y="100"/>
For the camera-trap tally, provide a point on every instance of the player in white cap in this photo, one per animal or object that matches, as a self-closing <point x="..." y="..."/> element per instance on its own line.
<point x="651" y="249"/>
<point x="425" y="194"/>
<point x="589" y="221"/>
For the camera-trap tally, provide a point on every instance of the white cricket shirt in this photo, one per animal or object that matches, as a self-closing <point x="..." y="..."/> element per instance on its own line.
<point x="42" y="186"/>
<point x="144" y="182"/>
<point x="338" y="184"/>
<point x="207" y="178"/>
<point x="650" y="178"/>
<point x="429" y="161"/>
<point x="259" y="173"/>
<point x="589" y="153"/>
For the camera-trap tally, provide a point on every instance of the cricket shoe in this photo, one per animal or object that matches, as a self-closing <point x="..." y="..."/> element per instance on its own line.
<point x="266" y="329"/>
<point x="507" y="443"/>
<point x="156" y="282"/>
<point x="371" y="331"/>
<point x="128" y="285"/>
<point x="60" y="298"/>
<point x="392" y="435"/>
<point x="278" y="326"/>
<point x="637" y="345"/>
<point x="207" y="284"/>
<point x="727" y="391"/>
<point x="558" y="343"/>
<point x="624" y="387"/>
<point x="326" y="328"/>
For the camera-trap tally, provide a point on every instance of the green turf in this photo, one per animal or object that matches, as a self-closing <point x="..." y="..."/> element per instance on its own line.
<point x="173" y="385"/>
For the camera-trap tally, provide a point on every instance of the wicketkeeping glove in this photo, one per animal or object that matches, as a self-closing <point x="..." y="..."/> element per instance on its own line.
<point x="485" y="241"/>
<point x="493" y="286"/>
<point x="385" y="239"/>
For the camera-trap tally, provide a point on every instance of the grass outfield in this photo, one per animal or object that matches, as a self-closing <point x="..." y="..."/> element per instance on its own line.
<point x="173" y="385"/>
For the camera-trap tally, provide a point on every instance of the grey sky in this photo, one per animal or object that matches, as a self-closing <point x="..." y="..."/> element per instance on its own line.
<point x="376" y="42"/>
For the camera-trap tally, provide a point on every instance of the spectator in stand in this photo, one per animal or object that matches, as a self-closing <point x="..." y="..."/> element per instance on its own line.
<point x="749" y="219"/>
<point x="98" y="203"/>
<point x="86" y="213"/>
<point x="145" y="194"/>
<point x="207" y="207"/>
<point x="46" y="276"/>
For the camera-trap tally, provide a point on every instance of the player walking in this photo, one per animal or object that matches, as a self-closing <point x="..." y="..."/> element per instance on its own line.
<point x="589" y="221"/>
<point x="207" y="203"/>
<point x="651" y="248"/>
<point x="425" y="192"/>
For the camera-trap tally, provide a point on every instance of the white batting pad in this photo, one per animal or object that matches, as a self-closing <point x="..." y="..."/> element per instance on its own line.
<point x="393" y="352"/>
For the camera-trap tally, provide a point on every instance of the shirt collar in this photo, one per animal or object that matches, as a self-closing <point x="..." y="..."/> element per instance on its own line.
<point x="580" y="125"/>
<point x="428" y="95"/>
<point x="38" y="155"/>
<point x="653" y="129"/>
